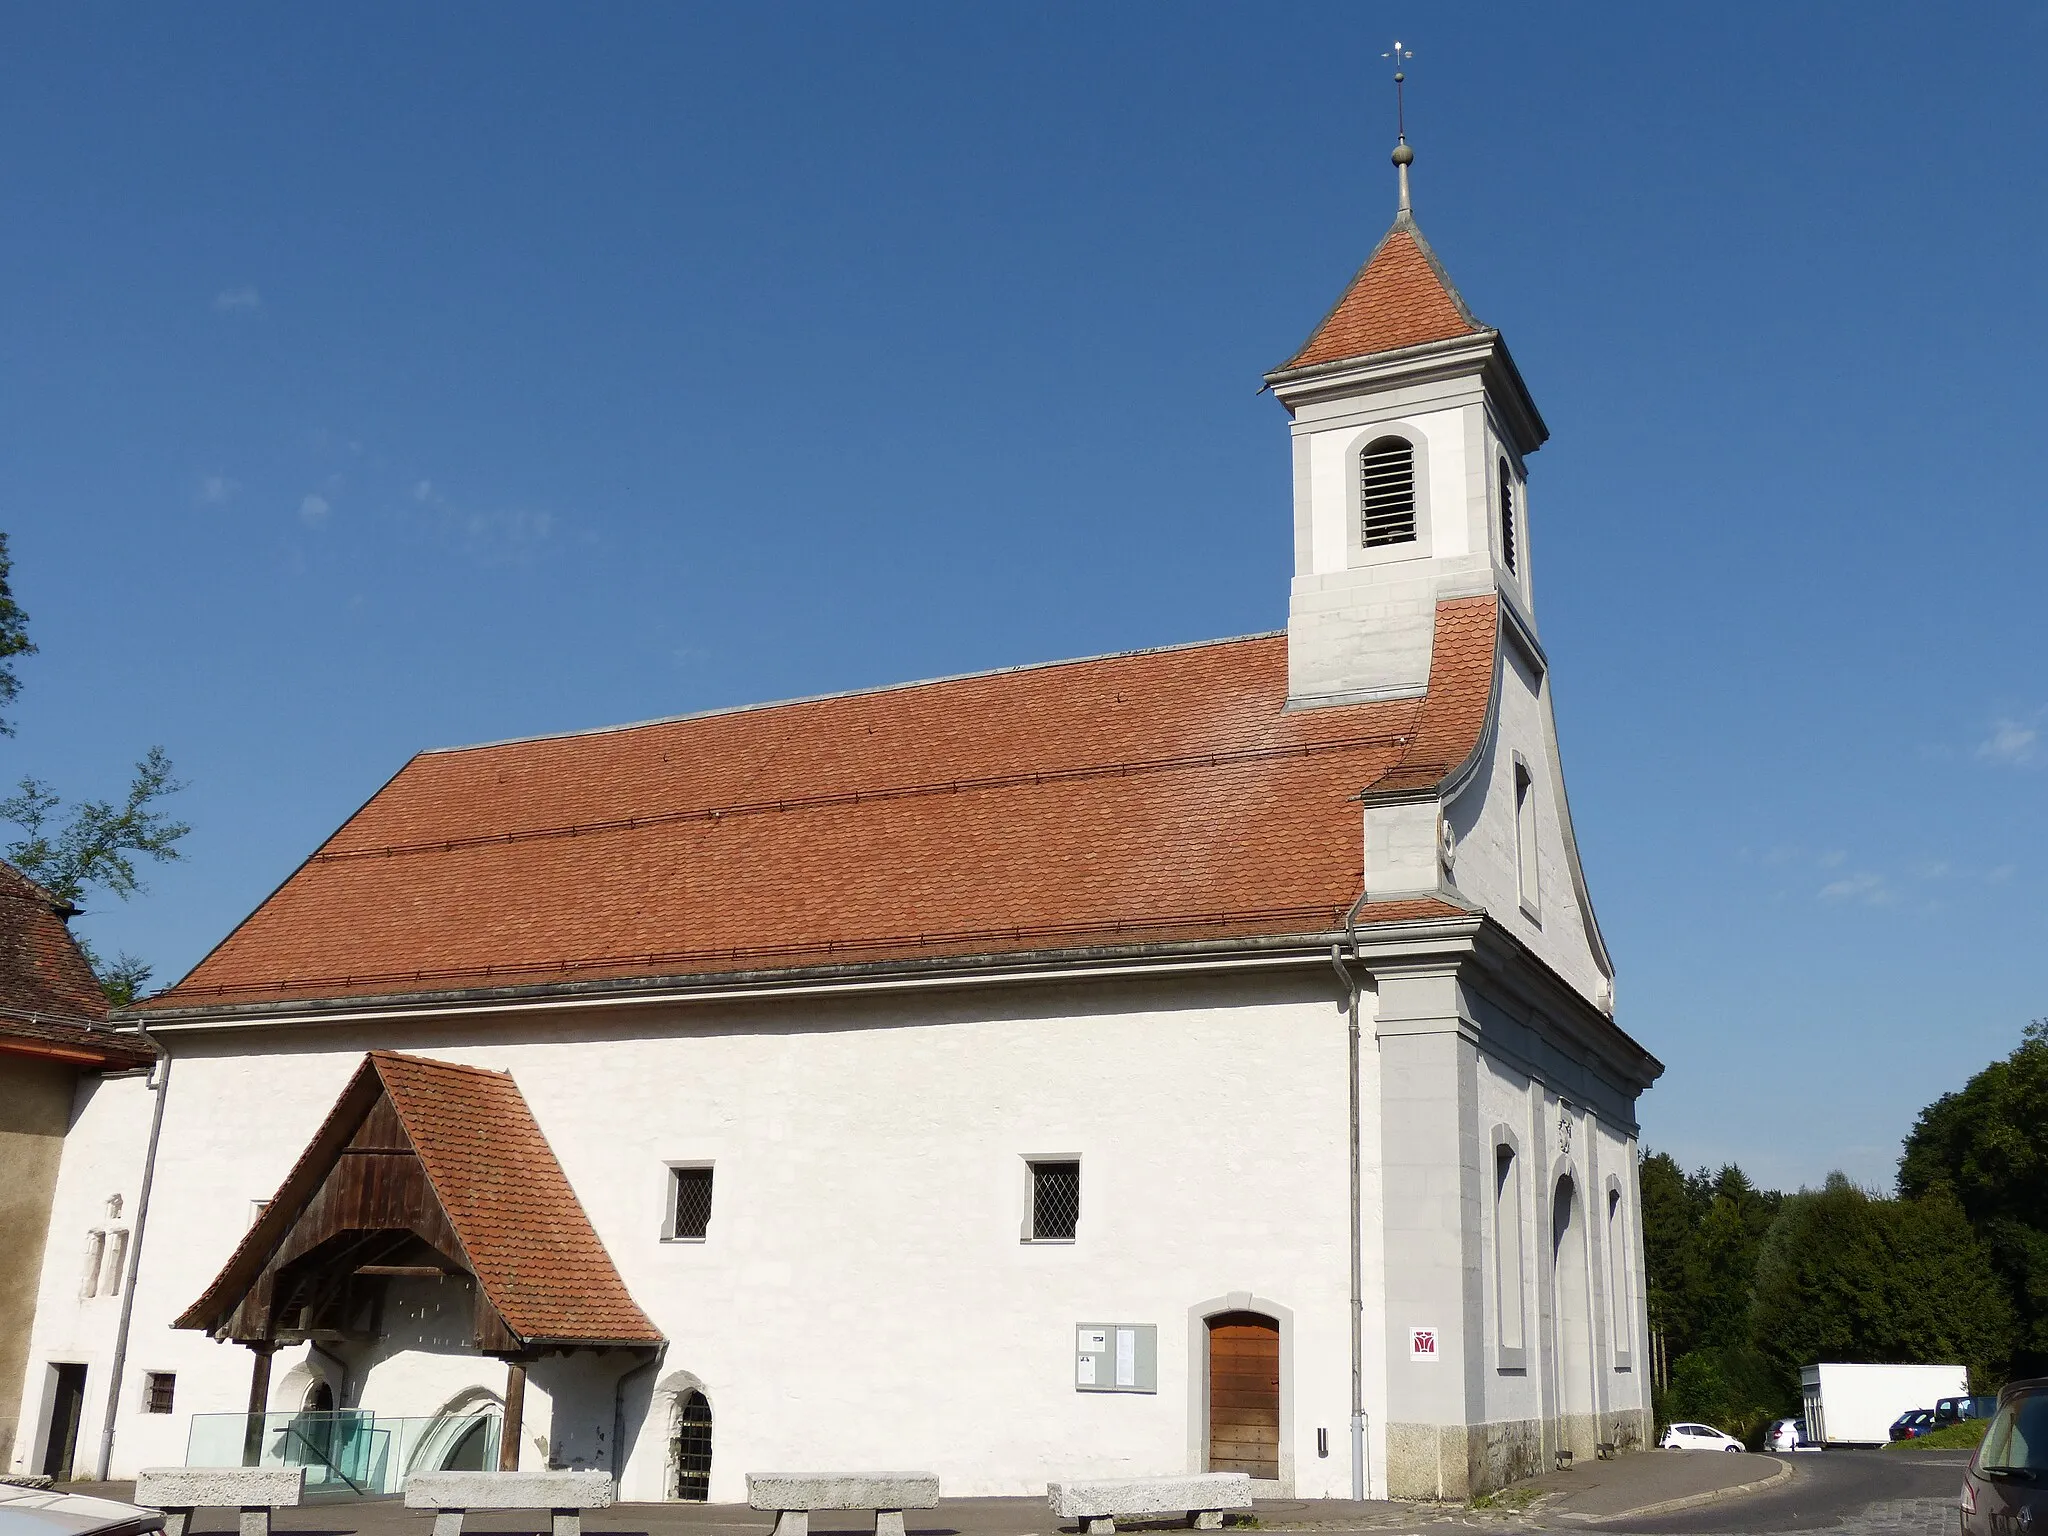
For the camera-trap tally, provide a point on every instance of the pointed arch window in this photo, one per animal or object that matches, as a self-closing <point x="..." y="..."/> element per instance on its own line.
<point x="1386" y="492"/>
<point x="1507" y="517"/>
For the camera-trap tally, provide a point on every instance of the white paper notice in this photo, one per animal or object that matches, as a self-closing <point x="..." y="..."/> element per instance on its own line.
<point x="1094" y="1341"/>
<point x="1085" y="1374"/>
<point x="1127" y="1357"/>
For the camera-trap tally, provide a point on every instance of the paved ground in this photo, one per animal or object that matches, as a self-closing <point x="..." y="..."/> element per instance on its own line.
<point x="1845" y="1493"/>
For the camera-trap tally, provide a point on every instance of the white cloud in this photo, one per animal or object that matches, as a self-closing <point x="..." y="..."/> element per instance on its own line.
<point x="1867" y="889"/>
<point x="313" y="511"/>
<point x="2012" y="743"/>
<point x="216" y="490"/>
<point x="243" y="300"/>
<point x="511" y="536"/>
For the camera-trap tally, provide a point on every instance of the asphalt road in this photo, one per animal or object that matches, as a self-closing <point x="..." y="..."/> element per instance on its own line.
<point x="1851" y="1493"/>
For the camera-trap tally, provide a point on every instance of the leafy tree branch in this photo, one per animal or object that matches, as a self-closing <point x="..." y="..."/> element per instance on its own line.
<point x="95" y="843"/>
<point x="14" y="640"/>
<point x="98" y="842"/>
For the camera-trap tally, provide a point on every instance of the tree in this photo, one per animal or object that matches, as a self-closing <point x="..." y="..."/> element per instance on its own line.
<point x="1987" y="1144"/>
<point x="14" y="640"/>
<point x="96" y="843"/>
<point x="1721" y="1261"/>
<point x="1845" y="1276"/>
<point x="1669" y="1218"/>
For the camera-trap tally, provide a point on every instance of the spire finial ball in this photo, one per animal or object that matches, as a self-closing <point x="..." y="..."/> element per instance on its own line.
<point x="1403" y="155"/>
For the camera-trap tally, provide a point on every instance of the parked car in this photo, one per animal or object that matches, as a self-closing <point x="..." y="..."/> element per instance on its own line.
<point x="1913" y="1423"/>
<point x="1785" y="1435"/>
<point x="2006" y="1484"/>
<point x="1954" y="1410"/>
<point x="1698" y="1437"/>
<point x="39" y="1512"/>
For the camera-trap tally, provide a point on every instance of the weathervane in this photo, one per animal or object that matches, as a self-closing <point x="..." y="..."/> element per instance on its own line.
<point x="1403" y="155"/>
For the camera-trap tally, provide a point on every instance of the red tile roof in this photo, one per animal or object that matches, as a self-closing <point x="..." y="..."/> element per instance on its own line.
<point x="49" y="997"/>
<point x="1154" y="796"/>
<point x="524" y="1235"/>
<point x="528" y="1240"/>
<point x="1401" y="297"/>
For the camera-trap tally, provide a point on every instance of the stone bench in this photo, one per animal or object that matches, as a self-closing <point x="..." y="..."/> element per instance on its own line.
<point x="1202" y="1496"/>
<point x="565" y="1495"/>
<point x="255" y="1491"/>
<point x="793" y="1495"/>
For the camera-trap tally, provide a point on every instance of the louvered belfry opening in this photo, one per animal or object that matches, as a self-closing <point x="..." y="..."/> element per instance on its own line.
<point x="1507" y="517"/>
<point x="1386" y="481"/>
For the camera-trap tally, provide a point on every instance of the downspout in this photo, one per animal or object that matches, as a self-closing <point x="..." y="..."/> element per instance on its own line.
<point x="1358" y="1468"/>
<point x="619" y="1412"/>
<point x="156" y="1126"/>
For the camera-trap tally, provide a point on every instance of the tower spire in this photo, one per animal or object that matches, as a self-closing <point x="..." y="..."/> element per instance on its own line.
<point x="1403" y="155"/>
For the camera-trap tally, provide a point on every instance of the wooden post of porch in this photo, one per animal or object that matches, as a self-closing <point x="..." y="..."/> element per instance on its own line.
<point x="515" y="1412"/>
<point x="259" y="1400"/>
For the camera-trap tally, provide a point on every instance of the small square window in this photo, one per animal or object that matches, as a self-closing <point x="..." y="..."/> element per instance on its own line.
<point x="1055" y="1201"/>
<point x="689" y="1205"/>
<point x="159" y="1389"/>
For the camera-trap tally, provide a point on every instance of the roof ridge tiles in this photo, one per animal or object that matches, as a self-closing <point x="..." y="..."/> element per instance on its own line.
<point x="850" y="693"/>
<point x="437" y="1064"/>
<point x="823" y="799"/>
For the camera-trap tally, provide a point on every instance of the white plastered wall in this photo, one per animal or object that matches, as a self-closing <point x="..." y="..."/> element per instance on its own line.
<point x="1482" y="817"/>
<point x="103" y="1153"/>
<point x="1599" y="1155"/>
<point x="863" y="1297"/>
<point x="1360" y="620"/>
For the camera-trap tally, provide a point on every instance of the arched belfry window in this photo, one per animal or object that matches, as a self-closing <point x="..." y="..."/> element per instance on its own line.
<point x="1507" y="516"/>
<point x="1386" y="492"/>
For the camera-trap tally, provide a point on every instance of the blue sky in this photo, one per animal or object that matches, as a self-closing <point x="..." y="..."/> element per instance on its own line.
<point x="386" y="377"/>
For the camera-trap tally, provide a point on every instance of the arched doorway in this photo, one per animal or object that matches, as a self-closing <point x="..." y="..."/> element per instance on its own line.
<point x="472" y="1452"/>
<point x="1244" y="1394"/>
<point x="689" y="1453"/>
<point x="1573" y="1314"/>
<point x="462" y="1436"/>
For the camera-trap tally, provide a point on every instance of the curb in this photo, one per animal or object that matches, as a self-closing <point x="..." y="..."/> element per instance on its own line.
<point x="1690" y="1501"/>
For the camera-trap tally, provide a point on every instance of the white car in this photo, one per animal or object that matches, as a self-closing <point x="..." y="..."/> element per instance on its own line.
<point x="1698" y="1437"/>
<point x="1786" y="1435"/>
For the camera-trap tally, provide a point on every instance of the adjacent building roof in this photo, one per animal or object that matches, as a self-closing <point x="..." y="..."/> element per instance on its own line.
<point x="50" y="1001"/>
<point x="523" y="1233"/>
<point x="1147" y="797"/>
<point x="1401" y="297"/>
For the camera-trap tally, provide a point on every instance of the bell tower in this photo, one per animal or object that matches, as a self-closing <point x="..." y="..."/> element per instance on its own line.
<point x="1411" y="429"/>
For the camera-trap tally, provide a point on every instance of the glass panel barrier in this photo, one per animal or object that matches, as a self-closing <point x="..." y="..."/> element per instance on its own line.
<point x="350" y="1453"/>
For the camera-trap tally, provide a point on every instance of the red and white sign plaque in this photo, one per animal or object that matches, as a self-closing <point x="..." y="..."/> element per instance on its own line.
<point x="1422" y="1344"/>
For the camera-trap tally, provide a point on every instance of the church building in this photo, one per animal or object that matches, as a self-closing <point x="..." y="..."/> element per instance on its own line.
<point x="1186" y="1059"/>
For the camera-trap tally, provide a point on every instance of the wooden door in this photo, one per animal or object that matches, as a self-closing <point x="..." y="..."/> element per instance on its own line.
<point x="1244" y="1394"/>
